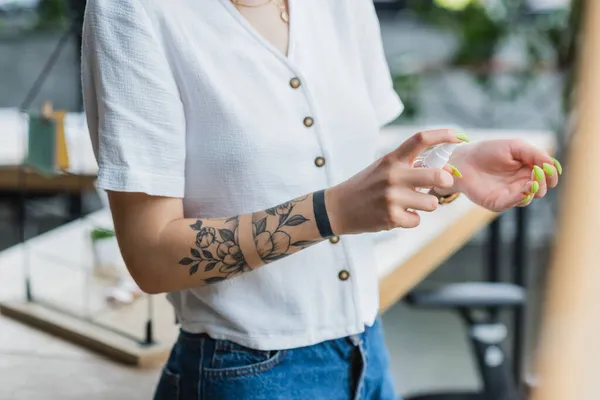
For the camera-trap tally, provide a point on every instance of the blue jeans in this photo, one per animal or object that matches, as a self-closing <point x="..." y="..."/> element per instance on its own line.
<point x="201" y="368"/>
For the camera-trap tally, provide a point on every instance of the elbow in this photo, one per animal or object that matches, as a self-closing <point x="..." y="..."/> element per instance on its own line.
<point x="146" y="281"/>
<point x="150" y="287"/>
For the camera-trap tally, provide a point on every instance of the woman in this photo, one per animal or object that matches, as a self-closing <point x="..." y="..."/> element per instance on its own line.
<point x="234" y="135"/>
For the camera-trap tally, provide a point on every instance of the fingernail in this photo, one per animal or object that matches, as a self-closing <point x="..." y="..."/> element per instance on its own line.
<point x="463" y="136"/>
<point x="548" y="169"/>
<point x="538" y="173"/>
<point x="455" y="171"/>
<point x="535" y="186"/>
<point x="557" y="165"/>
<point x="526" y="199"/>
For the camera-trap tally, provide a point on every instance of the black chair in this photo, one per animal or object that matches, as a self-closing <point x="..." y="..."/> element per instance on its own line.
<point x="486" y="335"/>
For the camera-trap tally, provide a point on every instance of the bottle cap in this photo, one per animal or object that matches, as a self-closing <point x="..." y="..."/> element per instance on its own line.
<point x="439" y="156"/>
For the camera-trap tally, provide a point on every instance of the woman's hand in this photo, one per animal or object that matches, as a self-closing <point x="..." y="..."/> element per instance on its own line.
<point x="383" y="196"/>
<point x="505" y="173"/>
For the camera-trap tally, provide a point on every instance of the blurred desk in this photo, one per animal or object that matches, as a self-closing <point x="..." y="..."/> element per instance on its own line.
<point x="82" y="171"/>
<point x="59" y="260"/>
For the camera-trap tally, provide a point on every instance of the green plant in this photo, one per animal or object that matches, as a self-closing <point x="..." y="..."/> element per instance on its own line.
<point x="483" y="27"/>
<point x="52" y="14"/>
<point x="101" y="233"/>
<point x="408" y="85"/>
<point x="478" y="33"/>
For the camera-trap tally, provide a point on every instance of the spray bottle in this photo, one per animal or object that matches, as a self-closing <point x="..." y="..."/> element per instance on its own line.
<point x="437" y="157"/>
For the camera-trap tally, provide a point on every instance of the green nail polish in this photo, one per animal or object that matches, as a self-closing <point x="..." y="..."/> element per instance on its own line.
<point x="455" y="171"/>
<point x="549" y="169"/>
<point x="535" y="187"/>
<point x="526" y="199"/>
<point x="557" y="165"/>
<point x="463" y="136"/>
<point x="538" y="173"/>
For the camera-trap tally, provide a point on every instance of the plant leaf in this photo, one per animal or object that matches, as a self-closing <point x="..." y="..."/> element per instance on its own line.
<point x="227" y="235"/>
<point x="186" y="261"/>
<point x="209" y="266"/>
<point x="276" y="257"/>
<point x="215" y="279"/>
<point x="207" y="254"/>
<point x="261" y="225"/>
<point x="270" y="211"/>
<point x="231" y="219"/>
<point x="193" y="269"/>
<point x="302" y="243"/>
<point x="296" y="220"/>
<point x="195" y="253"/>
<point x="282" y="218"/>
<point x="197" y="225"/>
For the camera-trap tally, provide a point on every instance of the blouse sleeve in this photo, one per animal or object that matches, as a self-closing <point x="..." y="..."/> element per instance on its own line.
<point x="134" y="112"/>
<point x="384" y="98"/>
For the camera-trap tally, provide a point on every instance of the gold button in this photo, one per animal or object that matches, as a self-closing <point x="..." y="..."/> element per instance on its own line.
<point x="319" y="161"/>
<point x="295" y="83"/>
<point x="344" y="275"/>
<point x="308" y="122"/>
<point x="334" y="239"/>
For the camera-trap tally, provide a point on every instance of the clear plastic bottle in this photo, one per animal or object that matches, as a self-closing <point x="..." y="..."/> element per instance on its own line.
<point x="437" y="157"/>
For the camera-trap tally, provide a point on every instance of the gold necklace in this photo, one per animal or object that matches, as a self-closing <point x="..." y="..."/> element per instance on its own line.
<point x="283" y="12"/>
<point x="237" y="3"/>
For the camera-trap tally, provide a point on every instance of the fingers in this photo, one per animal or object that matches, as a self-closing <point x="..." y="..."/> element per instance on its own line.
<point x="551" y="172"/>
<point x="404" y="204"/>
<point x="426" y="177"/>
<point x="517" y="197"/>
<point x="406" y="219"/>
<point x="525" y="202"/>
<point x="413" y="200"/>
<point x="419" y="142"/>
<point x="528" y="154"/>
<point x="526" y="196"/>
<point x="537" y="187"/>
<point x="547" y="168"/>
<point x="538" y="175"/>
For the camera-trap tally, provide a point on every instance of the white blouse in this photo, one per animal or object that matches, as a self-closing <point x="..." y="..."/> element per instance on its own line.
<point x="184" y="98"/>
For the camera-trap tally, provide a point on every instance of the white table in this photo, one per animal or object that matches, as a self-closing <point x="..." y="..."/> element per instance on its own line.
<point x="58" y="260"/>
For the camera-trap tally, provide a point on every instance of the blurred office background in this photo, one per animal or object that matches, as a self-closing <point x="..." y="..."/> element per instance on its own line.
<point x="502" y="64"/>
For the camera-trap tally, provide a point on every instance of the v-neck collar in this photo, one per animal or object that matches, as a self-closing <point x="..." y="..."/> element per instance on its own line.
<point x="253" y="32"/>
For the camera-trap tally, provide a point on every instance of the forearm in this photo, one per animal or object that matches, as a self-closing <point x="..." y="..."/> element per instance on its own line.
<point x="195" y="252"/>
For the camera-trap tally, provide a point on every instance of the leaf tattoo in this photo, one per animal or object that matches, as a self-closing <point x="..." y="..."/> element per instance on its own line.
<point x="227" y="235"/>
<point x="261" y="225"/>
<point x="217" y="250"/>
<point x="197" y="225"/>
<point x="193" y="269"/>
<point x="296" y="220"/>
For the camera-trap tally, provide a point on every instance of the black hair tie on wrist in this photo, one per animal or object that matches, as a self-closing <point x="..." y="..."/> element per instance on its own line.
<point x="321" y="216"/>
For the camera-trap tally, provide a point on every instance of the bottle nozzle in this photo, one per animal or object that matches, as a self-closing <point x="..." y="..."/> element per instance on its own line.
<point x="439" y="156"/>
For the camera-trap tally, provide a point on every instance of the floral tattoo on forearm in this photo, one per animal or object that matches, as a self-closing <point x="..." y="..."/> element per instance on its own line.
<point x="218" y="250"/>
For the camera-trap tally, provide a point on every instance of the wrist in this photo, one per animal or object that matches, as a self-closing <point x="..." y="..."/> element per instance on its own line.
<point x="334" y="210"/>
<point x="443" y="192"/>
<point x="455" y="162"/>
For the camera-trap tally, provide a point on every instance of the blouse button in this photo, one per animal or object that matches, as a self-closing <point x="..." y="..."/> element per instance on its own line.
<point x="295" y="83"/>
<point x="308" y="122"/>
<point x="319" y="161"/>
<point x="334" y="239"/>
<point x="344" y="275"/>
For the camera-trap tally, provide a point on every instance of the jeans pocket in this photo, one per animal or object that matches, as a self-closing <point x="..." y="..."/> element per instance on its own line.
<point x="168" y="386"/>
<point x="231" y="360"/>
